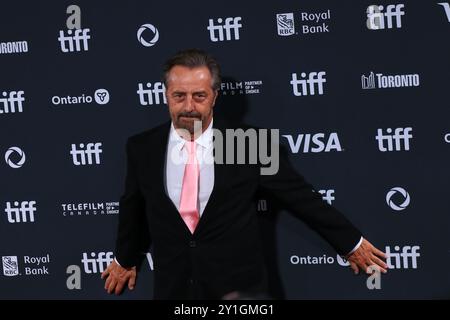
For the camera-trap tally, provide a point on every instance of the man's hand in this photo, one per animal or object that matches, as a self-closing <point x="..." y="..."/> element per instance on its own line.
<point x="117" y="278"/>
<point x="367" y="255"/>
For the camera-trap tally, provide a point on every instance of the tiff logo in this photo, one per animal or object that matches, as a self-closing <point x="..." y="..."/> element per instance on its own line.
<point x="376" y="18"/>
<point x="76" y="38"/>
<point x="446" y="8"/>
<point x="84" y="155"/>
<point x="404" y="259"/>
<point x="307" y="86"/>
<point x="151" y="96"/>
<point x="23" y="213"/>
<point x="96" y="265"/>
<point x="327" y="195"/>
<point x="386" y="141"/>
<point x="216" y="32"/>
<point x="9" y="101"/>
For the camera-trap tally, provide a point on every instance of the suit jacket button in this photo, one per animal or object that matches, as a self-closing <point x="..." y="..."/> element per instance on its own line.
<point x="192" y="244"/>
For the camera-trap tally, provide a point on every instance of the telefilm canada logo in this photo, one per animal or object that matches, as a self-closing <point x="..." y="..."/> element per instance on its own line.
<point x="89" y="209"/>
<point x="232" y="88"/>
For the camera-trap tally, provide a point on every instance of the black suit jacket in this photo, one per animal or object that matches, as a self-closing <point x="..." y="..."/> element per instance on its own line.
<point x="225" y="253"/>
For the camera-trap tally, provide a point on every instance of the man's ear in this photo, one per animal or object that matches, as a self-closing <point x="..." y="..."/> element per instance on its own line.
<point x="216" y="93"/>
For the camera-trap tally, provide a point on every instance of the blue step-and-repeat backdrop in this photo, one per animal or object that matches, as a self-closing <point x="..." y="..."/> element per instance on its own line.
<point x="358" y="89"/>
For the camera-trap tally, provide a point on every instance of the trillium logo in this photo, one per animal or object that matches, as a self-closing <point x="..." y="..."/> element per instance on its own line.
<point x="101" y="96"/>
<point x="393" y="192"/>
<point x="153" y="30"/>
<point x="15" y="157"/>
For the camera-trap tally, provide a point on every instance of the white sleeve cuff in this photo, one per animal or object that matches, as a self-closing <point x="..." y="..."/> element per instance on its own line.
<point x="356" y="247"/>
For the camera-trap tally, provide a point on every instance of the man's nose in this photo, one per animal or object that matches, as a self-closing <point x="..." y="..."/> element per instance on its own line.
<point x="189" y="104"/>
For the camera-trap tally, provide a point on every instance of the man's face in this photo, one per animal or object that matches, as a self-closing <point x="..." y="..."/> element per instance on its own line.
<point x="190" y="96"/>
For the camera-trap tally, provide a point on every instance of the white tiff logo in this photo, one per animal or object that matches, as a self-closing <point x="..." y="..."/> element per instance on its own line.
<point x="20" y="212"/>
<point x="86" y="155"/>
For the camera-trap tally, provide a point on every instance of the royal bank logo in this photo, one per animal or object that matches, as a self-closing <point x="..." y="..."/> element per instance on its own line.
<point x="15" y="157"/>
<point x="314" y="143"/>
<point x="76" y="39"/>
<point x="151" y="93"/>
<point x="90" y="209"/>
<point x="29" y="266"/>
<point x="100" y="96"/>
<point x="231" y="88"/>
<point x="398" y="199"/>
<point x="10" y="266"/>
<point x="308" y="23"/>
<point x="13" y="47"/>
<point x="381" y="81"/>
<point x="379" y="17"/>
<point x="148" y="35"/>
<point x="285" y="24"/>
<point x="11" y="102"/>
<point x="224" y="29"/>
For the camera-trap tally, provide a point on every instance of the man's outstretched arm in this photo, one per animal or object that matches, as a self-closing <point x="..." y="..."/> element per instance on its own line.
<point x="300" y="198"/>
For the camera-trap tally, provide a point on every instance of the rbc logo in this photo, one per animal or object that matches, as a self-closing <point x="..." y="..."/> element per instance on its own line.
<point x="10" y="266"/>
<point x="216" y="32"/>
<point x="285" y="24"/>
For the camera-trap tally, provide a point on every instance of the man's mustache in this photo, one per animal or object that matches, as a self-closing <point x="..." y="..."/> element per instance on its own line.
<point x="190" y="115"/>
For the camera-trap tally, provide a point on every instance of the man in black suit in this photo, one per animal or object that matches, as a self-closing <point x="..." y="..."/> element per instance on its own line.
<point x="199" y="216"/>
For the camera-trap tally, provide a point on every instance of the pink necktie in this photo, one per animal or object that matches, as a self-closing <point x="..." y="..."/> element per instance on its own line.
<point x="189" y="190"/>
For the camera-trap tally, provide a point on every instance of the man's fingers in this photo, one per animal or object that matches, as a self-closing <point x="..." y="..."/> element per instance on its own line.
<point x="380" y="263"/>
<point x="112" y="285"/>
<point x="132" y="282"/>
<point x="379" y="253"/>
<point x="119" y="287"/>
<point x="108" y="282"/>
<point x="354" y="267"/>
<point x="106" y="272"/>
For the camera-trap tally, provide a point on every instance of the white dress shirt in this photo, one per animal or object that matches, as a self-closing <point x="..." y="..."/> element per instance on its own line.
<point x="176" y="159"/>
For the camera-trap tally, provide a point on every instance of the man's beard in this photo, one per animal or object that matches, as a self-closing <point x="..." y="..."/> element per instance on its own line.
<point x="186" y="120"/>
